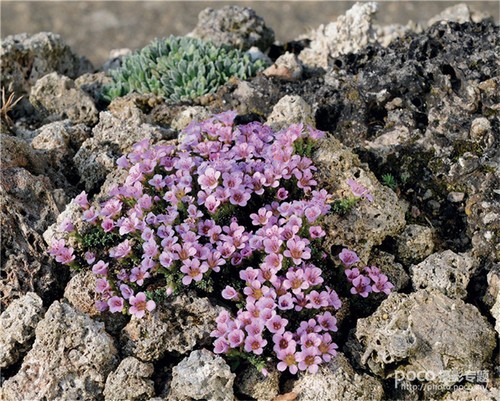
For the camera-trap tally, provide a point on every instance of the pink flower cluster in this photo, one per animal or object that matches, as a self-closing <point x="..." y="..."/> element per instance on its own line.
<point x="233" y="200"/>
<point x="372" y="281"/>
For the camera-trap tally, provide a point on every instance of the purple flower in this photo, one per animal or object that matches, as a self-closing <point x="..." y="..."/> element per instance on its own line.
<point x="297" y="250"/>
<point x="230" y="293"/>
<point x="348" y="257"/>
<point x="381" y="284"/>
<point x="288" y="360"/>
<point x="255" y="344"/>
<point x="221" y="346"/>
<point x="121" y="250"/>
<point x="65" y="256"/>
<point x="359" y="190"/>
<point x="138" y="275"/>
<point x="66" y="226"/>
<point x="327" y="348"/>
<point x="126" y="291"/>
<point x="89" y="257"/>
<point x="193" y="270"/>
<point x="276" y="324"/>
<point x="102" y="285"/>
<point x="139" y="305"/>
<point x="100" y="268"/>
<point x="308" y="360"/>
<point x="82" y="201"/>
<point x="327" y="321"/>
<point x="361" y="286"/>
<point x="236" y="338"/>
<point x="209" y="179"/>
<point x="115" y="304"/>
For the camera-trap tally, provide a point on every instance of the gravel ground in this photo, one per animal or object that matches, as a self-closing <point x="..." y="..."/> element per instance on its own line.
<point x="93" y="28"/>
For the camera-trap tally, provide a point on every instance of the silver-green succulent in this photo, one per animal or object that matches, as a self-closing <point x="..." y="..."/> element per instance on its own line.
<point x="180" y="69"/>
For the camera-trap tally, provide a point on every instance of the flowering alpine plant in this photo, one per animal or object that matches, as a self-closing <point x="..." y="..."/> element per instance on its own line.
<point x="231" y="210"/>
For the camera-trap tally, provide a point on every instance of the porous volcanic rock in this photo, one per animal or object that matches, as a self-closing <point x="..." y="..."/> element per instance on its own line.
<point x="131" y="381"/>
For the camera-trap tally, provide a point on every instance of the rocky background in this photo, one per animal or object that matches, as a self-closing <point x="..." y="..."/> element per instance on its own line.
<point x="418" y="102"/>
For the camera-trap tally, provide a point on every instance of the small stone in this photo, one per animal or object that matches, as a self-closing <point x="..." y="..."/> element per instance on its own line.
<point x="456" y="197"/>
<point x="479" y="128"/>
<point x="459" y="13"/>
<point x="287" y="67"/>
<point x="446" y="271"/>
<point x="186" y="116"/>
<point x="18" y="323"/>
<point x="115" y="59"/>
<point x="131" y="381"/>
<point x="202" y="375"/>
<point x="414" y="244"/>
<point x="254" y="384"/>
<point x="57" y="97"/>
<point x="337" y="381"/>
<point x="290" y="110"/>
<point x="474" y="393"/>
<point x="237" y="26"/>
<point x="349" y="34"/>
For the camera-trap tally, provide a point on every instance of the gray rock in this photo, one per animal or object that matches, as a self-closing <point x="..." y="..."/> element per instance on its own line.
<point x="115" y="59"/>
<point x="186" y="116"/>
<point x="254" y="384"/>
<point x="367" y="224"/>
<point x="460" y="13"/>
<point x="414" y="244"/>
<point x="29" y="205"/>
<point x="287" y="66"/>
<point x="18" y="323"/>
<point x="425" y="331"/>
<point x="290" y="110"/>
<point x="57" y="97"/>
<point x="26" y="58"/>
<point x="233" y="25"/>
<point x="112" y="137"/>
<point x="131" y="381"/>
<point x="474" y="393"/>
<point x="92" y="85"/>
<point x="70" y="359"/>
<point x="492" y="296"/>
<point x="80" y="293"/>
<point x="446" y="271"/>
<point x="349" y="34"/>
<point x="337" y="381"/>
<point x="177" y="326"/>
<point x="60" y="138"/>
<point x="202" y="375"/>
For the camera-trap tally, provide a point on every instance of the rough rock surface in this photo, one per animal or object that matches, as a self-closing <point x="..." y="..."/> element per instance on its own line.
<point x="349" y="34"/>
<point x="445" y="271"/>
<point x="112" y="137"/>
<point x="177" y="326"/>
<point x="80" y="293"/>
<point x="290" y="110"/>
<point x="131" y="381"/>
<point x="233" y="25"/>
<point x="29" y="204"/>
<point x="18" y="323"/>
<point x="337" y="381"/>
<point x="425" y="331"/>
<point x="474" y="393"/>
<point x="202" y="375"/>
<point x="254" y="384"/>
<point x="394" y="270"/>
<point x="368" y="223"/>
<point x="287" y="66"/>
<point x="62" y="137"/>
<point x="56" y="97"/>
<point x="26" y="58"/>
<point x="70" y="359"/>
<point x="414" y="244"/>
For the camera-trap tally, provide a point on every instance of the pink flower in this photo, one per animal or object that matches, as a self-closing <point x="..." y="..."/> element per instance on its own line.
<point x="209" y="179"/>
<point x="126" y="291"/>
<point x="221" y="346"/>
<point x="89" y="257"/>
<point x="382" y="284"/>
<point x="288" y="360"/>
<point x="348" y="257"/>
<point x="139" y="305"/>
<point x="115" y="304"/>
<point x="100" y="268"/>
<point x="327" y="348"/>
<point x="236" y="338"/>
<point x="81" y="200"/>
<point x="308" y="360"/>
<point x="90" y="215"/>
<point x="65" y="256"/>
<point x="316" y="232"/>
<point x="361" y="286"/>
<point x="66" y="226"/>
<point x="138" y="275"/>
<point x="193" y="270"/>
<point x="276" y="324"/>
<point x="102" y="285"/>
<point x="359" y="190"/>
<point x="255" y="344"/>
<point x="121" y="250"/>
<point x="317" y="300"/>
<point x="230" y="293"/>
<point x="297" y="250"/>
<point x="56" y="247"/>
<point x="327" y="321"/>
<point x="107" y="224"/>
